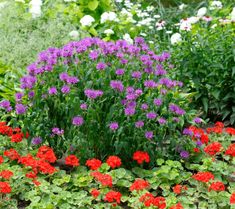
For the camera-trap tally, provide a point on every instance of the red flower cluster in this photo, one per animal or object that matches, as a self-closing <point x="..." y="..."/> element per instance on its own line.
<point x="4" y="187"/>
<point x="95" y="193"/>
<point x="231" y="150"/>
<point x="177" y="206"/>
<point x="114" y="161"/>
<point x="218" y="128"/>
<point x="12" y="154"/>
<point x="230" y="130"/>
<point x="139" y="184"/>
<point x="141" y="157"/>
<point x="232" y="198"/>
<point x="217" y="186"/>
<point x="72" y="160"/>
<point x="104" y="179"/>
<point x="177" y="189"/>
<point x="6" y="174"/>
<point x="113" y="196"/>
<point x="203" y="176"/>
<point x="93" y="164"/>
<point x="149" y="200"/>
<point x="198" y="132"/>
<point x="213" y="148"/>
<point x="1" y="160"/>
<point x="47" y="154"/>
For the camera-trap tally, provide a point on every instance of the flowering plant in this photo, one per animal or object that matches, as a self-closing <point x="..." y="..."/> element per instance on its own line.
<point x="117" y="93"/>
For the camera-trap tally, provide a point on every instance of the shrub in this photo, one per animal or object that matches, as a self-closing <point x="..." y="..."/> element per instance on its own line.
<point x="102" y="97"/>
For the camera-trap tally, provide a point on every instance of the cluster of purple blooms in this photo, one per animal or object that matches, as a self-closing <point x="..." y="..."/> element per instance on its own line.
<point x="134" y="89"/>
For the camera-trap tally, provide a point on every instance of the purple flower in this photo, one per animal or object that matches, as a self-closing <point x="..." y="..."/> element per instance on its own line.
<point x="117" y="85"/>
<point x="177" y="120"/>
<point x="197" y="120"/>
<point x="36" y="141"/>
<point x="101" y="66"/>
<point x="78" y="121"/>
<point x="138" y="92"/>
<point x="144" y="106"/>
<point x="5" y="104"/>
<point x="131" y="96"/>
<point x="83" y="106"/>
<point x="94" y="55"/>
<point x="150" y="84"/>
<point x="175" y="109"/>
<point x="139" y="124"/>
<point x="130" y="89"/>
<point x="57" y="131"/>
<point x="136" y="74"/>
<point x="65" y="89"/>
<point x="113" y="126"/>
<point x="120" y="72"/>
<point x="149" y="134"/>
<point x="188" y="132"/>
<point x="151" y="115"/>
<point x="20" y="109"/>
<point x="64" y="76"/>
<point x="157" y="102"/>
<point x="129" y="111"/>
<point x="199" y="143"/>
<point x="72" y="80"/>
<point x="184" y="154"/>
<point x="31" y="94"/>
<point x="93" y="94"/>
<point x="18" y="96"/>
<point x="52" y="90"/>
<point x="162" y="121"/>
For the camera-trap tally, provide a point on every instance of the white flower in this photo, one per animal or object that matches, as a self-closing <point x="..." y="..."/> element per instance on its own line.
<point x="216" y="5"/>
<point x="108" y="16"/>
<point x="185" y="25"/>
<point x="143" y="34"/>
<point x="182" y="6"/>
<point x="201" y="12"/>
<point x="233" y="15"/>
<point x="127" y="37"/>
<point x="193" y="20"/>
<point x="118" y="1"/>
<point x="156" y="16"/>
<point x="109" y="32"/>
<point x="175" y="38"/>
<point x="213" y="26"/>
<point x="169" y="32"/>
<point x="35" y="3"/>
<point x="35" y="8"/>
<point x="150" y="8"/>
<point x="74" y="34"/>
<point x="87" y="20"/>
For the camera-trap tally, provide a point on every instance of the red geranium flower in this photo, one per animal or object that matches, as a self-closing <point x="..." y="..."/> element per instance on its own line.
<point x="139" y="184"/>
<point x="178" y="188"/>
<point x="12" y="154"/>
<point x="37" y="183"/>
<point x="45" y="167"/>
<point x="217" y="186"/>
<point x="113" y="196"/>
<point x="5" y="187"/>
<point x="46" y="153"/>
<point x="232" y="198"/>
<point x="72" y="160"/>
<point x="93" y="164"/>
<point x="160" y="202"/>
<point x="1" y="160"/>
<point x="104" y="179"/>
<point x="213" y="148"/>
<point x="95" y="193"/>
<point x="141" y="156"/>
<point x="196" y="150"/>
<point x="177" y="206"/>
<point x="230" y="130"/>
<point x="219" y="124"/>
<point x="231" y="150"/>
<point x="204" y="139"/>
<point x="17" y="137"/>
<point x="147" y="199"/>
<point x="31" y="175"/>
<point x="203" y="176"/>
<point x="6" y="174"/>
<point x="114" y="161"/>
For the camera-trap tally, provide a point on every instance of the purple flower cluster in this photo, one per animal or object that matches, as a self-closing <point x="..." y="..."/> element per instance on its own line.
<point x="36" y="141"/>
<point x="77" y="121"/>
<point x="176" y="109"/>
<point x="114" y="126"/>
<point x="117" y="85"/>
<point x="57" y="131"/>
<point x="93" y="94"/>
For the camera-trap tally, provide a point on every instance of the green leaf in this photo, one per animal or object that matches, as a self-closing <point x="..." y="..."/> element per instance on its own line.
<point x="93" y="5"/>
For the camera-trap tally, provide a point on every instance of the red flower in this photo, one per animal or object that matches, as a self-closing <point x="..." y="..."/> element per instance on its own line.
<point x="196" y="150"/>
<point x="45" y="167"/>
<point x="147" y="199"/>
<point x="230" y="130"/>
<point x="46" y="153"/>
<point x="6" y="174"/>
<point x="93" y="164"/>
<point x="219" y="124"/>
<point x="217" y="186"/>
<point x="231" y="150"/>
<point x="114" y="161"/>
<point x="31" y="175"/>
<point x="139" y="184"/>
<point x="104" y="179"/>
<point x="5" y="187"/>
<point x="204" y="139"/>
<point x="17" y="137"/>
<point x="160" y="202"/>
<point x="72" y="160"/>
<point x="213" y="148"/>
<point x="141" y="156"/>
<point x="12" y="154"/>
<point x="203" y="176"/>
<point x="37" y="183"/>
<point x="232" y="198"/>
<point x="28" y="160"/>
<point x="1" y="160"/>
<point x="113" y="196"/>
<point x="178" y="188"/>
<point x="177" y="206"/>
<point x="95" y="193"/>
